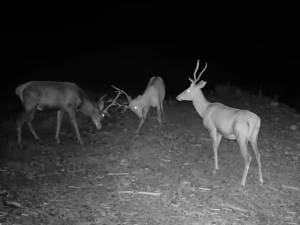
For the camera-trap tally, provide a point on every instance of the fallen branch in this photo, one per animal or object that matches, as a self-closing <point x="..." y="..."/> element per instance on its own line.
<point x="140" y="193"/>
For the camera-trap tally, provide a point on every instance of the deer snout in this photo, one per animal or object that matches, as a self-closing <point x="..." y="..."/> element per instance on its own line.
<point x="98" y="126"/>
<point x="97" y="123"/>
<point x="179" y="98"/>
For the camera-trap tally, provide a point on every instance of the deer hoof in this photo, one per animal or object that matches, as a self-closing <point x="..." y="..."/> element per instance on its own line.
<point x="215" y="171"/>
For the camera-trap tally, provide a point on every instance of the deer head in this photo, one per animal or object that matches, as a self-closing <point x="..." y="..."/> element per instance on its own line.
<point x="188" y="94"/>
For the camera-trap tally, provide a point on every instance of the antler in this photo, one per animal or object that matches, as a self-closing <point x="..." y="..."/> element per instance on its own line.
<point x="101" y="98"/>
<point x="196" y="79"/>
<point x="113" y="102"/>
<point x="120" y="90"/>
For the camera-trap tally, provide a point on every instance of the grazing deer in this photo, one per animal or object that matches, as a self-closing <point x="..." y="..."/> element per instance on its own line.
<point x="153" y="96"/>
<point x="221" y="120"/>
<point x="63" y="96"/>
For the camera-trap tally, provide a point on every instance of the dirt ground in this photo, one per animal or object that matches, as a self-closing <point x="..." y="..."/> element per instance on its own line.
<point x="163" y="176"/>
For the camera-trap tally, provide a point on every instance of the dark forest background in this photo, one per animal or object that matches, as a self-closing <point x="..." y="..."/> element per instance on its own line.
<point x="126" y="44"/>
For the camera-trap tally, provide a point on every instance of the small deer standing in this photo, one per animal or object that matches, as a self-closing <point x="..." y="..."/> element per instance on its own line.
<point x="63" y="96"/>
<point x="153" y="96"/>
<point x="221" y="120"/>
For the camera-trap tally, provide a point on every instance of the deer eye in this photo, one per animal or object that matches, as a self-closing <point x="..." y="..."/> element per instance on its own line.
<point x="135" y="107"/>
<point x="188" y="90"/>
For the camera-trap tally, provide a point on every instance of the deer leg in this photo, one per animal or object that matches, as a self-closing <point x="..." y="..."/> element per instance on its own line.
<point x="158" y="108"/>
<point x="60" y="114"/>
<point x="72" y="115"/>
<point x="140" y="125"/>
<point x="142" y="120"/>
<point x="216" y="137"/>
<point x="163" y="112"/>
<point x="257" y="155"/>
<point x="30" y="126"/>
<point x="20" y="122"/>
<point x="247" y="159"/>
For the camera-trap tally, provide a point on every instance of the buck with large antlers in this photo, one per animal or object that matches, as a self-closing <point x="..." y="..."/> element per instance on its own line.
<point x="63" y="96"/>
<point x="153" y="96"/>
<point x="221" y="120"/>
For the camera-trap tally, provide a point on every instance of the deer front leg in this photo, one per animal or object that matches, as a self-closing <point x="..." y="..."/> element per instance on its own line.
<point x="60" y="114"/>
<point x="74" y="122"/>
<point x="142" y="120"/>
<point x="216" y="138"/>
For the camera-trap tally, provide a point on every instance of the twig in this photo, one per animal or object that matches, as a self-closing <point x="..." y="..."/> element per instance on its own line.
<point x="75" y="187"/>
<point x="234" y="207"/>
<point x="117" y="174"/>
<point x="204" y="189"/>
<point x="290" y="187"/>
<point x="140" y="193"/>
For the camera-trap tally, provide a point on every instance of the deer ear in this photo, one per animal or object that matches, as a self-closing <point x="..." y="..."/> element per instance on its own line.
<point x="101" y="105"/>
<point x="202" y="84"/>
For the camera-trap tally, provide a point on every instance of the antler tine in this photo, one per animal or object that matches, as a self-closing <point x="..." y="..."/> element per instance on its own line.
<point x="102" y="97"/>
<point x="120" y="90"/>
<point x="201" y="72"/>
<point x="195" y="71"/>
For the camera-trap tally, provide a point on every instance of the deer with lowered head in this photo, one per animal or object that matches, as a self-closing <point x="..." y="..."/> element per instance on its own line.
<point x="224" y="121"/>
<point x="63" y="96"/>
<point x="153" y="96"/>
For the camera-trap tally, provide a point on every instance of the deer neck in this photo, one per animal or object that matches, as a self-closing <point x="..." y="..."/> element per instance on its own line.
<point x="87" y="107"/>
<point x="200" y="103"/>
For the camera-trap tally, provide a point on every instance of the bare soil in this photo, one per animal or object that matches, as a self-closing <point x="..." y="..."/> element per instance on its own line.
<point x="163" y="176"/>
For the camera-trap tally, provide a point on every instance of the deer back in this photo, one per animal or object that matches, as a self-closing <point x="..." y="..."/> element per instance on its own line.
<point x="50" y="94"/>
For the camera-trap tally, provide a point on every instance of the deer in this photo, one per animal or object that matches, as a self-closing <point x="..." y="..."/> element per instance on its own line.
<point x="223" y="121"/>
<point x="153" y="96"/>
<point x="61" y="96"/>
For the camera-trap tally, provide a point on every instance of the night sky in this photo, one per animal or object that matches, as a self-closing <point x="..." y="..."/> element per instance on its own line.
<point x="127" y="44"/>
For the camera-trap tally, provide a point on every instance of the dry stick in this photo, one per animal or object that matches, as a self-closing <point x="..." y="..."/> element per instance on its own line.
<point x="140" y="193"/>
<point x="204" y="189"/>
<point x="233" y="207"/>
<point x="117" y="174"/>
<point x="290" y="187"/>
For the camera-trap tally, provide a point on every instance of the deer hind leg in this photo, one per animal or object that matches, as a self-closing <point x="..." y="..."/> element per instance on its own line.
<point x="26" y="116"/>
<point x="253" y="142"/>
<point x="216" y="138"/>
<point x="30" y="126"/>
<point x="60" y="114"/>
<point x="159" y="114"/>
<point x="20" y="122"/>
<point x="72" y="115"/>
<point x="164" y="119"/>
<point x="247" y="159"/>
